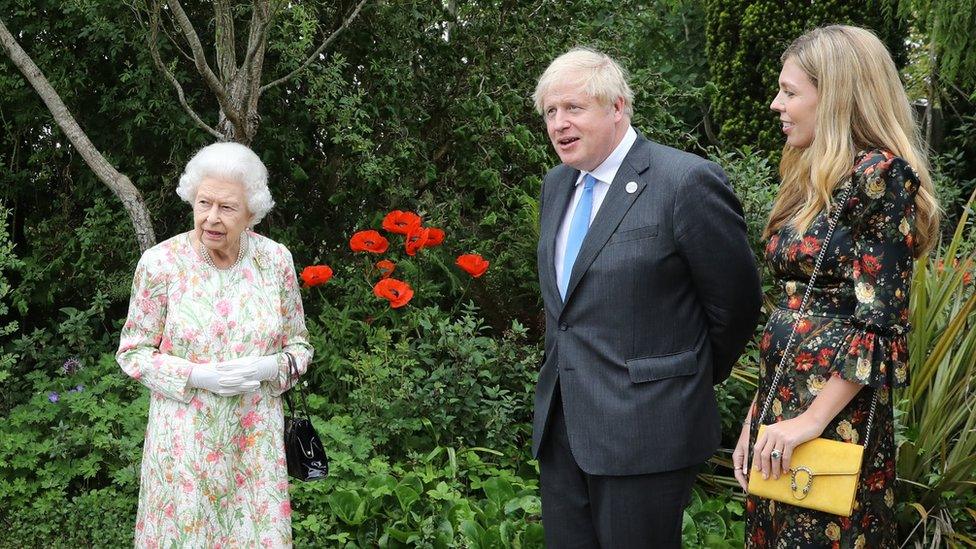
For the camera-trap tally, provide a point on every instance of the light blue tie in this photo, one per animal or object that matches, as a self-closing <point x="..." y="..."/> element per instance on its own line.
<point x="577" y="231"/>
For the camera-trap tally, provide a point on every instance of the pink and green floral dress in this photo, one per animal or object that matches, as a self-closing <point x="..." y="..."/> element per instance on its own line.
<point x="857" y="330"/>
<point x="213" y="468"/>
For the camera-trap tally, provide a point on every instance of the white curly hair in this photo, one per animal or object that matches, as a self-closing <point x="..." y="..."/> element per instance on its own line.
<point x="229" y="162"/>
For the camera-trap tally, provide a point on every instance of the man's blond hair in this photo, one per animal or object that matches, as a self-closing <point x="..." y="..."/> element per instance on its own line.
<point x="600" y="76"/>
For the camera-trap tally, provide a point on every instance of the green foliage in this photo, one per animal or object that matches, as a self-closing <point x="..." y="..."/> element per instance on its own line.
<point x="937" y="435"/>
<point x="69" y="457"/>
<point x="951" y="26"/>
<point x="444" y="498"/>
<point x="8" y="261"/>
<point x="425" y="410"/>
<point x="418" y="376"/>
<point x="744" y="41"/>
<point x="716" y="522"/>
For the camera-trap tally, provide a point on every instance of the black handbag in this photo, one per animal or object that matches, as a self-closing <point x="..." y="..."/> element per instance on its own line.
<point x="304" y="452"/>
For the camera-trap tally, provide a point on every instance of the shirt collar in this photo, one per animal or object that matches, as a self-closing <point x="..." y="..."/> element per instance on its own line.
<point x="608" y="169"/>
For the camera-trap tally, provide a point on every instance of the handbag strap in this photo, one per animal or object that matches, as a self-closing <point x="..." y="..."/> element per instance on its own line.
<point x="832" y="224"/>
<point x="293" y="373"/>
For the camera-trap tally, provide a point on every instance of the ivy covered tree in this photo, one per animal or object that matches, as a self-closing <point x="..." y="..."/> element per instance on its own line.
<point x="744" y="40"/>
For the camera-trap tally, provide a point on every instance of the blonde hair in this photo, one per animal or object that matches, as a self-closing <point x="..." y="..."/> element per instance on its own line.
<point x="861" y="105"/>
<point x="600" y="76"/>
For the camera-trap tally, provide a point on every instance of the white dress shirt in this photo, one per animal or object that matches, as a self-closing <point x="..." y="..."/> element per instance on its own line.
<point x="604" y="174"/>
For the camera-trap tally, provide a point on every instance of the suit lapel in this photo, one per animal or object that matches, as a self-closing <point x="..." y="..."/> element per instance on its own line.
<point x="612" y="211"/>
<point x="562" y="196"/>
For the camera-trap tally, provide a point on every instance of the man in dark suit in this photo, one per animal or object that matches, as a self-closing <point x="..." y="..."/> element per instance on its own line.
<point x="651" y="292"/>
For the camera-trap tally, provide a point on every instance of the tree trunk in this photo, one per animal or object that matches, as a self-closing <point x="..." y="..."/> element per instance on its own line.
<point x="120" y="185"/>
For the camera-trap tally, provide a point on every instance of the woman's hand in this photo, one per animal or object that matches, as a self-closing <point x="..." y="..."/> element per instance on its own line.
<point x="740" y="458"/>
<point x="251" y="368"/>
<point x="221" y="384"/>
<point x="782" y="438"/>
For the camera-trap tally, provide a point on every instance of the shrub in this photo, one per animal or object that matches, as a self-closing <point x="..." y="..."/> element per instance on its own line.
<point x="744" y="41"/>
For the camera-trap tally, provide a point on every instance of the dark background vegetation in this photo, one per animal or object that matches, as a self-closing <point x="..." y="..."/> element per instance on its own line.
<point x="417" y="106"/>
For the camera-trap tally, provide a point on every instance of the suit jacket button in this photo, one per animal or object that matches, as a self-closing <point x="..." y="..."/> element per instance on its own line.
<point x="564" y="327"/>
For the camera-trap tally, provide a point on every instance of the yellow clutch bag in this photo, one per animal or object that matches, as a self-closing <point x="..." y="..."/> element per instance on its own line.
<point x="823" y="476"/>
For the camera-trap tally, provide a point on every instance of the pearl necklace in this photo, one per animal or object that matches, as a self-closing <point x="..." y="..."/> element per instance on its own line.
<point x="240" y="254"/>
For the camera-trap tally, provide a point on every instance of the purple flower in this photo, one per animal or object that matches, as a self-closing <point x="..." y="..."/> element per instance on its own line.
<point x="71" y="366"/>
<point x="77" y="389"/>
<point x="53" y="396"/>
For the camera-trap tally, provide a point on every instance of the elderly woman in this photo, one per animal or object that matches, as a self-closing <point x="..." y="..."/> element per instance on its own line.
<point x="213" y="314"/>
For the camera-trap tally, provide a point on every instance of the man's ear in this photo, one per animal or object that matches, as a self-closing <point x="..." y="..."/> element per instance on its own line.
<point x="618" y="109"/>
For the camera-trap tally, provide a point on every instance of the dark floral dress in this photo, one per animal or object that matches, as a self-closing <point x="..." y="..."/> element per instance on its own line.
<point x="856" y="329"/>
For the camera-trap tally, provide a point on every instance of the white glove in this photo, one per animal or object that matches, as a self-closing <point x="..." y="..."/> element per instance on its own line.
<point x="251" y="368"/>
<point x="203" y="376"/>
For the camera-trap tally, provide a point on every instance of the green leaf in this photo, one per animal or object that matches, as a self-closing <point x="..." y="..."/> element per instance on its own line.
<point x="406" y="495"/>
<point x="348" y="506"/>
<point x="473" y="532"/>
<point x="709" y="522"/>
<point x="499" y="491"/>
<point x="534" y="536"/>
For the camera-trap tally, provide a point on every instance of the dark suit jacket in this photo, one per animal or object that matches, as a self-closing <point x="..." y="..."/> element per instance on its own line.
<point x="663" y="296"/>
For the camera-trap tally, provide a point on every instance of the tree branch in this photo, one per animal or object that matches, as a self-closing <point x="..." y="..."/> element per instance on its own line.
<point x="200" y="60"/>
<point x="325" y="44"/>
<point x="260" y="24"/>
<point x="225" y="40"/>
<point x="154" y="24"/>
<point x="120" y="185"/>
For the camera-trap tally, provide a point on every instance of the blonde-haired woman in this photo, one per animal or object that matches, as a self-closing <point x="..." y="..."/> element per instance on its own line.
<point x="851" y="143"/>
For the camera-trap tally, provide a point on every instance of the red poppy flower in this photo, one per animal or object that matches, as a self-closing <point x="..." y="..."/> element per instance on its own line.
<point x="473" y="264"/>
<point x="369" y="241"/>
<point x="434" y="238"/>
<point x="416" y="240"/>
<point x="400" y="222"/>
<point x="385" y="267"/>
<point x="397" y="292"/>
<point x="316" y="275"/>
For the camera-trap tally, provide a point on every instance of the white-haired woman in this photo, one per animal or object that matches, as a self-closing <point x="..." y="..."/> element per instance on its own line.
<point x="849" y="133"/>
<point x="213" y="315"/>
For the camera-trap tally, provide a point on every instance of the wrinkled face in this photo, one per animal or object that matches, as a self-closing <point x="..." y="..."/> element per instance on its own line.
<point x="583" y="130"/>
<point x="796" y="104"/>
<point x="220" y="214"/>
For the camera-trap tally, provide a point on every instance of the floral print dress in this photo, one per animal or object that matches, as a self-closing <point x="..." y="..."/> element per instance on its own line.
<point x="856" y="330"/>
<point x="213" y="468"/>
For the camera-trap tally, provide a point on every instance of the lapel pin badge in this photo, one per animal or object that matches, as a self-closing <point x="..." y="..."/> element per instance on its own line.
<point x="632" y="187"/>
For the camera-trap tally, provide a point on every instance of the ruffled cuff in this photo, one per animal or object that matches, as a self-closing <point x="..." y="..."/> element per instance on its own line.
<point x="874" y="356"/>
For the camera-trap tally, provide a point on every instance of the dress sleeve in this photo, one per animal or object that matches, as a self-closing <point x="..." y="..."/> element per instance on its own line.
<point x="142" y="349"/>
<point x="294" y="334"/>
<point x="875" y="351"/>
